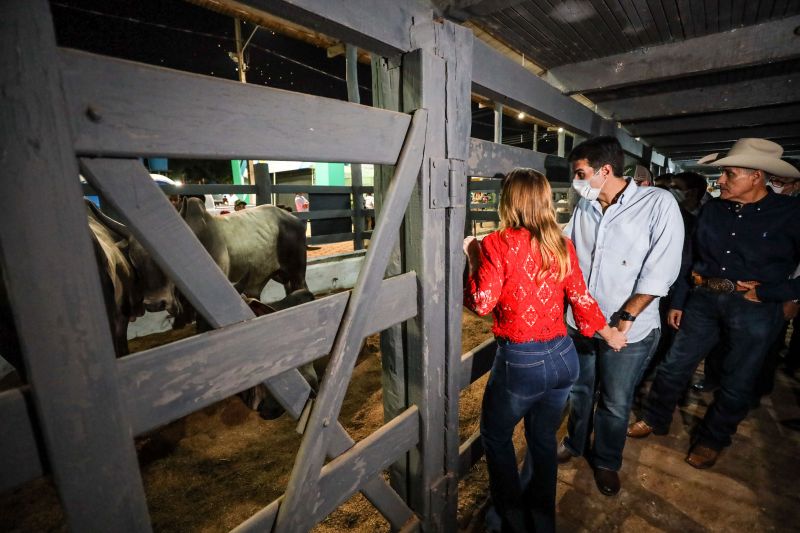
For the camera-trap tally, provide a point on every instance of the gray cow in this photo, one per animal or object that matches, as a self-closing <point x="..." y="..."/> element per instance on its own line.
<point x="251" y="247"/>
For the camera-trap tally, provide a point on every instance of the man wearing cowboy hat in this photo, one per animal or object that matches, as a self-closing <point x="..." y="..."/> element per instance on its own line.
<point x="745" y="249"/>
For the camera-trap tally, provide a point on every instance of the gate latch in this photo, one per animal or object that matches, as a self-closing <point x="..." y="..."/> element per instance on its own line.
<point x="448" y="183"/>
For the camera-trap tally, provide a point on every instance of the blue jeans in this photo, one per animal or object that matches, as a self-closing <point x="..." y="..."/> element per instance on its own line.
<point x="615" y="376"/>
<point x="529" y="381"/>
<point x="746" y="329"/>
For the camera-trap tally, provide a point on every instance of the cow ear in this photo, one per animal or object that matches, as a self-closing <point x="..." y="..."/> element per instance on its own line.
<point x="259" y="308"/>
<point x="182" y="206"/>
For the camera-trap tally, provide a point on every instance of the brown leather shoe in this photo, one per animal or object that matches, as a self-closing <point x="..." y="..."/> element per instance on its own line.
<point x="702" y="457"/>
<point x="639" y="430"/>
<point x="563" y="455"/>
<point x="607" y="481"/>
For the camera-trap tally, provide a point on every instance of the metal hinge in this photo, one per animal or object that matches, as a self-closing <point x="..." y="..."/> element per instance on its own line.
<point x="448" y="183"/>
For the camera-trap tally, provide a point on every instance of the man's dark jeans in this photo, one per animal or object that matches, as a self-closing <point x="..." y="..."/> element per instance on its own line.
<point x="528" y="381"/>
<point x="747" y="329"/>
<point x="616" y="375"/>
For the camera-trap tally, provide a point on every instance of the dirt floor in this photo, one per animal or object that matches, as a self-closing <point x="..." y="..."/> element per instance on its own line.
<point x="214" y="468"/>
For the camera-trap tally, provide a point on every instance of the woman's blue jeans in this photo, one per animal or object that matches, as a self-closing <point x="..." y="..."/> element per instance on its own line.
<point x="531" y="382"/>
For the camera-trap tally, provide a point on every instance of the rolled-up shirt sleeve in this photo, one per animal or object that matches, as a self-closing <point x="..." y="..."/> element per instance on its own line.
<point x="663" y="262"/>
<point x="588" y="316"/>
<point x="483" y="288"/>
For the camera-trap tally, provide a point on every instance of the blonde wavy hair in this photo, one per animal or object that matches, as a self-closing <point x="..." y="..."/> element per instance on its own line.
<point x="527" y="202"/>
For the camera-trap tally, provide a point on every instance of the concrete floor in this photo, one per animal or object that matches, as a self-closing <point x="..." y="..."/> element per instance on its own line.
<point x="754" y="487"/>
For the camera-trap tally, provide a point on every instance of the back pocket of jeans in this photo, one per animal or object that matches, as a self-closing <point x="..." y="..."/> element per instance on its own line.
<point x="526" y="380"/>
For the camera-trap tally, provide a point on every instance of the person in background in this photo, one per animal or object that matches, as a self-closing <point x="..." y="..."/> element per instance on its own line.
<point x="642" y="176"/>
<point x="300" y="202"/>
<point x="629" y="240"/>
<point x="746" y="247"/>
<point x="369" y="203"/>
<point x="690" y="190"/>
<point x="663" y="181"/>
<point x="523" y="274"/>
<point x="240" y="205"/>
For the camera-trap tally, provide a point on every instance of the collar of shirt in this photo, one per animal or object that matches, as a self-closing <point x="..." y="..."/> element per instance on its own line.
<point x="628" y="193"/>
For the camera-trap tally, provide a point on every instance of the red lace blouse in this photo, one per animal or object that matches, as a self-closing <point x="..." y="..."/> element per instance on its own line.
<point x="523" y="311"/>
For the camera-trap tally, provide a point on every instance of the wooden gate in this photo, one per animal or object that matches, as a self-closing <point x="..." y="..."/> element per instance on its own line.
<point x="65" y="110"/>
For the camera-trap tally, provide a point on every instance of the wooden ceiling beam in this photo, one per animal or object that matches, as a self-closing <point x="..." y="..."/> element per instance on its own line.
<point x="731" y="96"/>
<point x="774" y="132"/>
<point x="743" y="47"/>
<point x="762" y="116"/>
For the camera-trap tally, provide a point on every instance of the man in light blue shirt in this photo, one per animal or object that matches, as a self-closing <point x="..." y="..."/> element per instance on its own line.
<point x="629" y="241"/>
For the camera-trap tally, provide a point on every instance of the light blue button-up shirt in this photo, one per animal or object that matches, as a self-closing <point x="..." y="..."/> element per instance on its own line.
<point x="634" y="248"/>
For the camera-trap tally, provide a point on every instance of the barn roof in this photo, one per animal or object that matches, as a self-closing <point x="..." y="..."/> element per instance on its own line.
<point x="687" y="77"/>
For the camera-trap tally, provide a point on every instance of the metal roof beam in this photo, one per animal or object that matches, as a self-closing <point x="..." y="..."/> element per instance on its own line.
<point x="742" y="47"/>
<point x="731" y="96"/>
<point x="730" y="119"/>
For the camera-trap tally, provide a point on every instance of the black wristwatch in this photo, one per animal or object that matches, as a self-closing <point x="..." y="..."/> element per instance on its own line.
<point x="618" y="316"/>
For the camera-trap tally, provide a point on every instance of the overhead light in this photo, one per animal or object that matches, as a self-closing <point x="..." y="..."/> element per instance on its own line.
<point x="560" y="130"/>
<point x="521" y="115"/>
<point x="638" y="139"/>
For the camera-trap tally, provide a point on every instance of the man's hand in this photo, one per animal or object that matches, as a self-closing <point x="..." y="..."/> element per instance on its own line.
<point x="790" y="309"/>
<point x="674" y="318"/>
<point x="749" y="290"/>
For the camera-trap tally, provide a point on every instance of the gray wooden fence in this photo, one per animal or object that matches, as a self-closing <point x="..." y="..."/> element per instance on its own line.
<point x="65" y="110"/>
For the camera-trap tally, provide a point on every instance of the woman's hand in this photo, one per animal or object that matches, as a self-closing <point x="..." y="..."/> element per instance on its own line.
<point x="614" y="338"/>
<point x="472" y="249"/>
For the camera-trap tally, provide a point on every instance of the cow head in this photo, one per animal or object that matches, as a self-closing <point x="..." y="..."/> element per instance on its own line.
<point x="158" y="291"/>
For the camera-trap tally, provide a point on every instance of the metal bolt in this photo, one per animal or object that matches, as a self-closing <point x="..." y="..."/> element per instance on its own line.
<point x="93" y="115"/>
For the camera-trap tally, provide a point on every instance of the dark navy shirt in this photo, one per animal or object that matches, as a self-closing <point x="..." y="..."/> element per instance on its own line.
<point x="748" y="242"/>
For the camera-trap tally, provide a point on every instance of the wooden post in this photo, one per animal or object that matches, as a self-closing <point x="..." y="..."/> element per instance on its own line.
<point x="351" y="58"/>
<point x="54" y="287"/>
<point x="498" y="123"/>
<point x="263" y="183"/>
<point x="535" y="138"/>
<point x="562" y="142"/>
<point x="386" y="94"/>
<point x="242" y="68"/>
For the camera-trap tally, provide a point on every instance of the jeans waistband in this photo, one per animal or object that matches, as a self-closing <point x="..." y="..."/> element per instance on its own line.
<point x="544" y="346"/>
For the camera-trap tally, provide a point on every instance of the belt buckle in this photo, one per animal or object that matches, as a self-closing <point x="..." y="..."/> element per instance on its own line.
<point x="721" y="285"/>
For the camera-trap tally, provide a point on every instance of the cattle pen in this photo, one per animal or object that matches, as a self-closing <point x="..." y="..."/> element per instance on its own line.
<point x="66" y="112"/>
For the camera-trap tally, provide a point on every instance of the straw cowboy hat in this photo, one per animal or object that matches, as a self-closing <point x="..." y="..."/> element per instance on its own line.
<point x="758" y="154"/>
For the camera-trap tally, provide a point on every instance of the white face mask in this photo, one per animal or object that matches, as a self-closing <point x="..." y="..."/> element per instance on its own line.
<point x="679" y="195"/>
<point x="778" y="189"/>
<point x="585" y="189"/>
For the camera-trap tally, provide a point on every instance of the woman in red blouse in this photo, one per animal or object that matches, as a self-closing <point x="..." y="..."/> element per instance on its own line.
<point x="523" y="274"/>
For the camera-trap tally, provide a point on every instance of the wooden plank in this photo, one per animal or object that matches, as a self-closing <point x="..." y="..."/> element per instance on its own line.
<point x="20" y="450"/>
<point x="487" y="159"/>
<point x="774" y="132"/>
<point x="386" y="94"/>
<point x="335" y="237"/>
<point x="743" y="47"/>
<point x="324" y="214"/>
<point x="343" y="476"/>
<point x="351" y="53"/>
<point x="124" y="109"/>
<point x="354" y="467"/>
<point x="152" y="219"/>
<point x="754" y="93"/>
<point x="477" y="362"/>
<point x="728" y="119"/>
<point x="376" y="490"/>
<point x="470" y="452"/>
<point x="302" y="487"/>
<point x="55" y="293"/>
<point x="317" y="189"/>
<point x="455" y="45"/>
<point x="381" y="26"/>
<point x="424" y="77"/>
<point x="171" y="381"/>
<point x="501" y="79"/>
